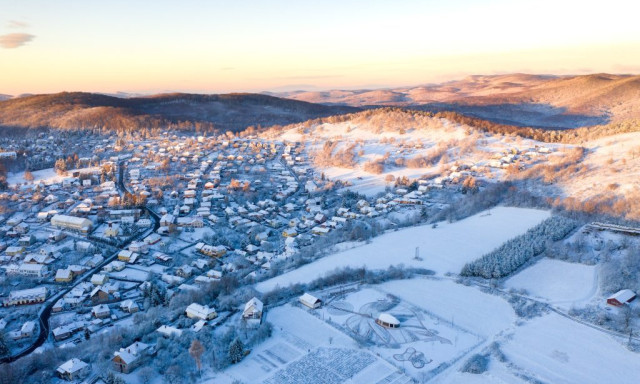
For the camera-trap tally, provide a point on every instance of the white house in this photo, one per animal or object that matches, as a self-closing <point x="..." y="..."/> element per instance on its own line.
<point x="74" y="369"/>
<point x="202" y="312"/>
<point x="253" y="309"/>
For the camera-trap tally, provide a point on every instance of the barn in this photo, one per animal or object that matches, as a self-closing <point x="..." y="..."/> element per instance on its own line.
<point x="388" y="321"/>
<point x="621" y="298"/>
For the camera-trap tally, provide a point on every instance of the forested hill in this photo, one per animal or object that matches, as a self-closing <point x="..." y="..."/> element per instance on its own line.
<point x="78" y="110"/>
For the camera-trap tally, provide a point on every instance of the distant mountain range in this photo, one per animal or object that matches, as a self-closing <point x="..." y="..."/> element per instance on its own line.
<point x="517" y="99"/>
<point x="234" y="112"/>
<point x="520" y="100"/>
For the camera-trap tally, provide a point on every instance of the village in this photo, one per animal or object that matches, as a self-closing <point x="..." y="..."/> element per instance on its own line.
<point x="98" y="243"/>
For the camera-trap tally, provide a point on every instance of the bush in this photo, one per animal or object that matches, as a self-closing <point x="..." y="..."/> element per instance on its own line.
<point x="476" y="364"/>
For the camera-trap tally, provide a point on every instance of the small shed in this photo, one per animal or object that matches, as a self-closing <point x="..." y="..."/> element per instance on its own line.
<point x="310" y="301"/>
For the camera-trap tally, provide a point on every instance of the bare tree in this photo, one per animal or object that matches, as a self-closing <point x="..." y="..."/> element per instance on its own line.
<point x="196" y="350"/>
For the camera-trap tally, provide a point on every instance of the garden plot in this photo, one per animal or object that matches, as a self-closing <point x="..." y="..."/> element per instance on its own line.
<point x="303" y="346"/>
<point x="446" y="248"/>
<point x="422" y="346"/>
<point x="558" y="282"/>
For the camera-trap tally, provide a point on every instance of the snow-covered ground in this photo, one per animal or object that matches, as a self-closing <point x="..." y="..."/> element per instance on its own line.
<point x="558" y="282"/>
<point x="557" y="350"/>
<point x="46" y="176"/>
<point x="445" y="248"/>
<point x="467" y="307"/>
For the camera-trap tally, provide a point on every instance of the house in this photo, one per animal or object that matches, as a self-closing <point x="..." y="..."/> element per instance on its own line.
<point x="127" y="359"/>
<point x="210" y="250"/>
<point x="33" y="270"/>
<point x="621" y="298"/>
<point x="167" y="220"/>
<point x="310" y="301"/>
<point x="152" y="239"/>
<point x="99" y="279"/>
<point x="169" y="331"/>
<point x="27" y="240"/>
<point x="387" y="321"/>
<point x="112" y="230"/>
<point x="290" y="232"/>
<point x="127" y="256"/>
<point x="253" y="309"/>
<point x="74" y="369"/>
<point x="139" y="247"/>
<point x="129" y="306"/>
<point x="185" y="271"/>
<point x="27" y="329"/>
<point x="14" y="251"/>
<point x="202" y="312"/>
<point x="63" y="276"/>
<point x="101" y="311"/>
<point x="100" y="294"/>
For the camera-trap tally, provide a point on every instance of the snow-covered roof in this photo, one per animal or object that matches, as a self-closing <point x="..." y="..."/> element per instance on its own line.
<point x="623" y="296"/>
<point x="388" y="319"/>
<point x="72" y="366"/>
<point x="255" y="303"/>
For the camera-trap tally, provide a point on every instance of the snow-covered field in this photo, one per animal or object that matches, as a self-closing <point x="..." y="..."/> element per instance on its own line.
<point x="443" y="249"/>
<point x="46" y="176"/>
<point x="467" y="307"/>
<point x="557" y="350"/>
<point x="558" y="282"/>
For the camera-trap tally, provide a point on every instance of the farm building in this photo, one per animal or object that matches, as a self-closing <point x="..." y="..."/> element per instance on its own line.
<point x="72" y="223"/>
<point x="310" y="301"/>
<point x="621" y="298"/>
<point x="202" y="312"/>
<point x="388" y="321"/>
<point x="74" y="369"/>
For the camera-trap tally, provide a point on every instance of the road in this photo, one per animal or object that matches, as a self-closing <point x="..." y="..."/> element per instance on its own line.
<point x="45" y="312"/>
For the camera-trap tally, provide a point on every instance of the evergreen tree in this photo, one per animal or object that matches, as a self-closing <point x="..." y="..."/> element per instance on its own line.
<point x="236" y="351"/>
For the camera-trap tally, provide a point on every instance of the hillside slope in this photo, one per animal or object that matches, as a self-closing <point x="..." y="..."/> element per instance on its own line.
<point x="182" y="111"/>
<point x="517" y="99"/>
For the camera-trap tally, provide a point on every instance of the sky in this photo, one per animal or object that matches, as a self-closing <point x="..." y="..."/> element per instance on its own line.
<point x="154" y="46"/>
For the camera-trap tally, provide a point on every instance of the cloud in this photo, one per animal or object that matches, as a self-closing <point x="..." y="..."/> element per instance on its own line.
<point x="15" y="40"/>
<point x="17" y="24"/>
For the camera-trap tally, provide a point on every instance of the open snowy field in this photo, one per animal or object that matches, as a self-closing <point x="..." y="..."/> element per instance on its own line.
<point x="554" y="349"/>
<point x="46" y="176"/>
<point x="467" y="307"/>
<point x="443" y="249"/>
<point x="558" y="282"/>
